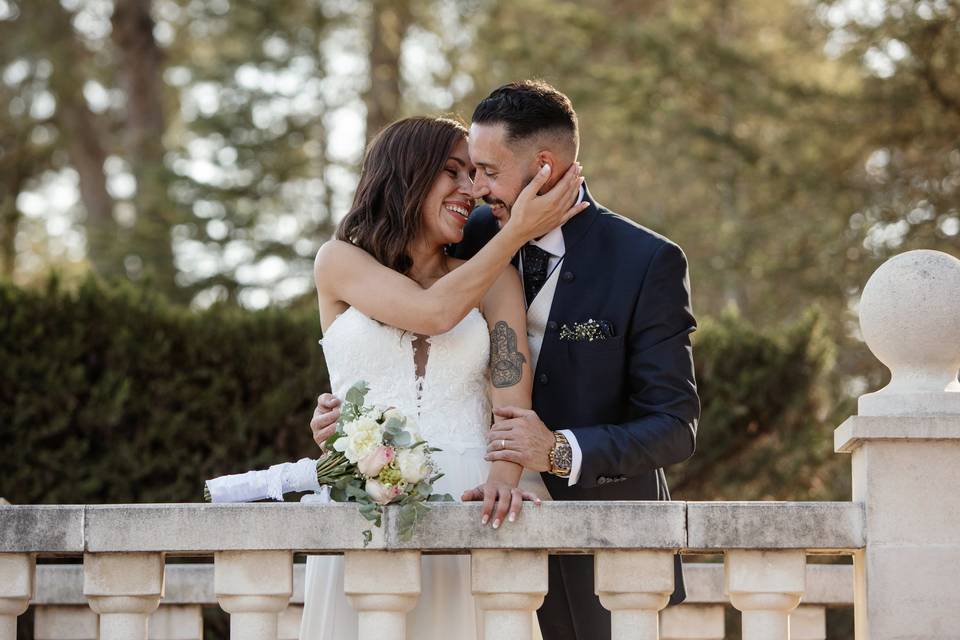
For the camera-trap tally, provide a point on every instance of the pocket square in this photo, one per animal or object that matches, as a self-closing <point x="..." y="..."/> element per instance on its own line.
<point x="586" y="331"/>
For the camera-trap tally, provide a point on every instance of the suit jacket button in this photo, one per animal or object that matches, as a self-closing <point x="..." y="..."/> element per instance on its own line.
<point x="552" y="325"/>
<point x="567" y="276"/>
<point x="543" y="379"/>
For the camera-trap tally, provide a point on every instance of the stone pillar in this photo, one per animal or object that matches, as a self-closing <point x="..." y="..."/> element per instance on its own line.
<point x="288" y="626"/>
<point x="124" y="589"/>
<point x="382" y="586"/>
<point x="905" y="443"/>
<point x="634" y="586"/>
<point x="692" y="622"/>
<point x="177" y="622"/>
<point x="64" y="622"/>
<point x="16" y="589"/>
<point x="508" y="587"/>
<point x="765" y="586"/>
<point x="808" y="622"/>
<point x="253" y="587"/>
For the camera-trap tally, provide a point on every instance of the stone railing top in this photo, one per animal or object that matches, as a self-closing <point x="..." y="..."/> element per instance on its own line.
<point x="57" y="584"/>
<point x="910" y="319"/>
<point x="201" y="529"/>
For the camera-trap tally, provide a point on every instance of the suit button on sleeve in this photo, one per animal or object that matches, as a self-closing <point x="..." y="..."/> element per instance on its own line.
<point x="543" y="379"/>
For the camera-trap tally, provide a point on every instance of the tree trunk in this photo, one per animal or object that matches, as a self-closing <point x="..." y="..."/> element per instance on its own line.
<point x="389" y="24"/>
<point x="141" y="77"/>
<point x="84" y="142"/>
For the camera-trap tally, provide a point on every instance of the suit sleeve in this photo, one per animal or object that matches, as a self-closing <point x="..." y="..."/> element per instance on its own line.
<point x="664" y="406"/>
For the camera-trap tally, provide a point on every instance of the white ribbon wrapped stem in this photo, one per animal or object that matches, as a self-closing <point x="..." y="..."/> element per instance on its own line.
<point x="260" y="485"/>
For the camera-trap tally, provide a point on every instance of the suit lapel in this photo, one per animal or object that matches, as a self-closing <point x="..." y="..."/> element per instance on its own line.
<point x="573" y="271"/>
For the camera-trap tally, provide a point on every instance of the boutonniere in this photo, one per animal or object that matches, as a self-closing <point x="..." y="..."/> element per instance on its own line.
<point x="586" y="331"/>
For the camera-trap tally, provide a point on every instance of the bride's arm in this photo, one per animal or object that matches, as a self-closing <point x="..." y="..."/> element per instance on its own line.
<point x="511" y="381"/>
<point x="348" y="274"/>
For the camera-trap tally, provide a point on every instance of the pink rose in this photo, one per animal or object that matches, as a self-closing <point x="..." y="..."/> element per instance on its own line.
<point x="371" y="464"/>
<point x="381" y="493"/>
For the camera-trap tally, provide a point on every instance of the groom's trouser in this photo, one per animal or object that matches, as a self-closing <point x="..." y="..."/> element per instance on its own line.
<point x="571" y="610"/>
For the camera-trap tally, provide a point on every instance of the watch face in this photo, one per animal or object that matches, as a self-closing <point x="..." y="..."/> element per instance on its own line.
<point x="564" y="457"/>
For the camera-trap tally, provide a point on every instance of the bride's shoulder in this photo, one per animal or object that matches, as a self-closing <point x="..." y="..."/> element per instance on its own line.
<point x="334" y="254"/>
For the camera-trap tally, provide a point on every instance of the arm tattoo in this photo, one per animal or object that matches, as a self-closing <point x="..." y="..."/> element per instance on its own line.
<point x="506" y="363"/>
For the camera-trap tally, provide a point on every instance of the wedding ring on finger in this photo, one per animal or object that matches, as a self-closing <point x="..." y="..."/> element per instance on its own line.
<point x="503" y="444"/>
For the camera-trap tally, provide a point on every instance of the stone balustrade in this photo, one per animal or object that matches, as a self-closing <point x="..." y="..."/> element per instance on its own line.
<point x="902" y="527"/>
<point x="123" y="577"/>
<point x="61" y="611"/>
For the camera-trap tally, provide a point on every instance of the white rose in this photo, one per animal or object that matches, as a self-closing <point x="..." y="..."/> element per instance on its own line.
<point x="393" y="412"/>
<point x="362" y="436"/>
<point x="379" y="492"/>
<point x="412" y="464"/>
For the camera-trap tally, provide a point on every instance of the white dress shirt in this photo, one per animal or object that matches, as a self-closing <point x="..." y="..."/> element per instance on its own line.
<point x="553" y="244"/>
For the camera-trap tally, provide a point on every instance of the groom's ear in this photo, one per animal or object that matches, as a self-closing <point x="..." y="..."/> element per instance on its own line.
<point x="547" y="156"/>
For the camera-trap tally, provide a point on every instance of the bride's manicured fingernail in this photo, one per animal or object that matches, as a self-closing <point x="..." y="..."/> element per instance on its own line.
<point x="512" y="517"/>
<point x="484" y="519"/>
<point x="496" y="523"/>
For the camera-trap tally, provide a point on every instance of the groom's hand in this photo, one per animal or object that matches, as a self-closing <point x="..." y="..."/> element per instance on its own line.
<point x="521" y="438"/>
<point x="325" y="416"/>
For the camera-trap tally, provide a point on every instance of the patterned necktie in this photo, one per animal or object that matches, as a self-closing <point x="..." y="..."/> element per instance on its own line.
<point x="535" y="262"/>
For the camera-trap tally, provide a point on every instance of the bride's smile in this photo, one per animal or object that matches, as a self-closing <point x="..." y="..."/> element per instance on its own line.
<point x="449" y="202"/>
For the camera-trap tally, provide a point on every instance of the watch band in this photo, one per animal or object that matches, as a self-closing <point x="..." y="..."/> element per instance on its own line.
<point x="560" y="456"/>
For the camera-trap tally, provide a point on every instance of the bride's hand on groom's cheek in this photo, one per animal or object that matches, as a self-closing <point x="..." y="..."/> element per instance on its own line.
<point x="501" y="501"/>
<point x="325" y="416"/>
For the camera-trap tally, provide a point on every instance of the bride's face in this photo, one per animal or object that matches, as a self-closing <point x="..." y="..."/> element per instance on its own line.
<point x="449" y="202"/>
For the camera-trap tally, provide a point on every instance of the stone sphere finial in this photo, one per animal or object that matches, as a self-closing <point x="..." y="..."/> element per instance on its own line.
<point x="910" y="319"/>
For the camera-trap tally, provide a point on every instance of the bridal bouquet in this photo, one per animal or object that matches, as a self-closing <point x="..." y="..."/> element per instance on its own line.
<point x="376" y="457"/>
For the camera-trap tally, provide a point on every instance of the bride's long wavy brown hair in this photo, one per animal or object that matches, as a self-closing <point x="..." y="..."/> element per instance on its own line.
<point x="399" y="168"/>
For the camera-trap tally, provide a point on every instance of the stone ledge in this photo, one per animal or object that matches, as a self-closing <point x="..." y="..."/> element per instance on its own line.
<point x="51" y="529"/>
<point x="558" y="526"/>
<point x="814" y="526"/>
<point x="856" y="429"/>
<point x="201" y="529"/>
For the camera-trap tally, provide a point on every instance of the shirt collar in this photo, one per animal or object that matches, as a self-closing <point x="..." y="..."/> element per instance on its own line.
<point x="553" y="242"/>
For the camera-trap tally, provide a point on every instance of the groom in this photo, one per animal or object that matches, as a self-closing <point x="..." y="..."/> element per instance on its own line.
<point x="609" y="324"/>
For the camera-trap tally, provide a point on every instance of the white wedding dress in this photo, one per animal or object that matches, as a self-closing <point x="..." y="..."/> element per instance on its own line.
<point x="451" y="405"/>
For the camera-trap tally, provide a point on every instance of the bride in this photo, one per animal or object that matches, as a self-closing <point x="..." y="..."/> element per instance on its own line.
<point x="419" y="327"/>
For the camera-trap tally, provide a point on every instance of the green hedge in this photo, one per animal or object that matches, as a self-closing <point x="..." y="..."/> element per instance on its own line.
<point x="114" y="395"/>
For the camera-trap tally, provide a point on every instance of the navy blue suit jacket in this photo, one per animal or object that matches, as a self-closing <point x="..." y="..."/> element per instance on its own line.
<point x="631" y="399"/>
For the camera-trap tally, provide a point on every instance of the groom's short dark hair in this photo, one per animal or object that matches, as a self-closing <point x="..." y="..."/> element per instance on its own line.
<point x="528" y="108"/>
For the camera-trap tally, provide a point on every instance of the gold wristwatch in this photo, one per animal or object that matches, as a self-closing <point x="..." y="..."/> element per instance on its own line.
<point x="561" y="456"/>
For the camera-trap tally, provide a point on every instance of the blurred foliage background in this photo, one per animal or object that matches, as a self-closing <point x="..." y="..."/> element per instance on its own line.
<point x="199" y="151"/>
<point x="195" y="154"/>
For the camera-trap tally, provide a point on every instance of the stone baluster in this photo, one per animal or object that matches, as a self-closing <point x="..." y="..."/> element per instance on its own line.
<point x="508" y="587"/>
<point x="765" y="586"/>
<point x="253" y="587"/>
<point x="16" y="590"/>
<point x="692" y="622"/>
<point x="288" y="626"/>
<point x="382" y="586"/>
<point x="808" y="622"/>
<point x="177" y="622"/>
<point x="905" y="443"/>
<point x="634" y="586"/>
<point x="64" y="622"/>
<point x="124" y="589"/>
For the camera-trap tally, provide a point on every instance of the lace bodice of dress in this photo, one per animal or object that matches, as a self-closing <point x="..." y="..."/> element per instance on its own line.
<point x="450" y="402"/>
